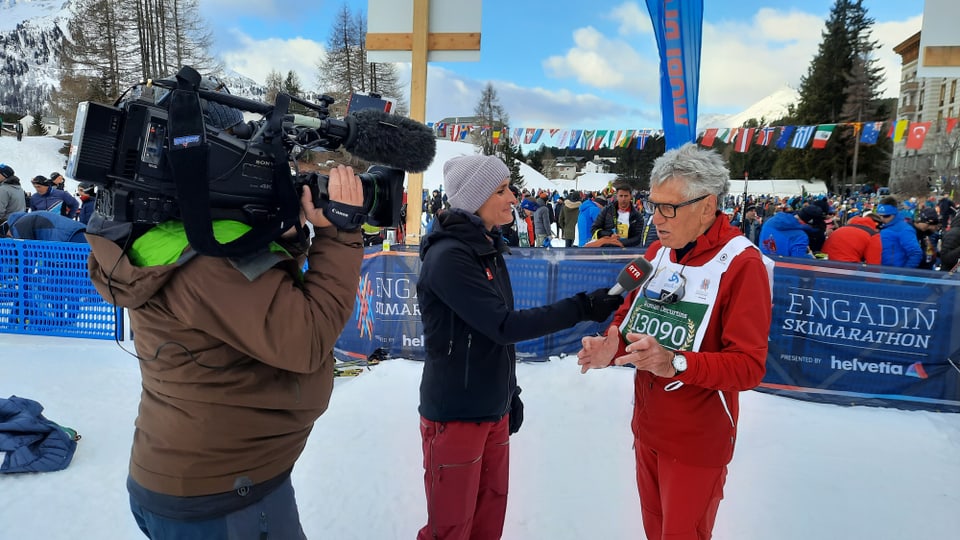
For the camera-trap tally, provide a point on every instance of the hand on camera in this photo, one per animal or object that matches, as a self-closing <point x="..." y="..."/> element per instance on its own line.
<point x="344" y="187"/>
<point x="598" y="305"/>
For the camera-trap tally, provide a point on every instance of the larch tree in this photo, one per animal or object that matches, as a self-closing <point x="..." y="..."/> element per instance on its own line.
<point x="492" y="116"/>
<point x="113" y="44"/>
<point x="344" y="69"/>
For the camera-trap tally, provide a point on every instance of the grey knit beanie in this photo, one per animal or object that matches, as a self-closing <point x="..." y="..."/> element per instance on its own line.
<point x="471" y="180"/>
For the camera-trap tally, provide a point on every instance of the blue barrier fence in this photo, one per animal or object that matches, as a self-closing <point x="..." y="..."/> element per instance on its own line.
<point x="841" y="333"/>
<point x="45" y="290"/>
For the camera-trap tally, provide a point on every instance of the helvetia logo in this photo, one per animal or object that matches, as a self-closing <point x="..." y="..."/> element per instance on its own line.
<point x="881" y="368"/>
<point x="916" y="370"/>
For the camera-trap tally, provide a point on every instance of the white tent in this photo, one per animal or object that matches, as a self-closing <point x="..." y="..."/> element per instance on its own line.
<point x="586" y="182"/>
<point x="433" y="176"/>
<point x="778" y="188"/>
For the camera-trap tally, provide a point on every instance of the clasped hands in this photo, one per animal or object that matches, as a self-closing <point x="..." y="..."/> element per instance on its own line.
<point x="644" y="352"/>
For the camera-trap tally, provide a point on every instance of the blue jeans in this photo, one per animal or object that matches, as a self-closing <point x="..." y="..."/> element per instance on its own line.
<point x="275" y="517"/>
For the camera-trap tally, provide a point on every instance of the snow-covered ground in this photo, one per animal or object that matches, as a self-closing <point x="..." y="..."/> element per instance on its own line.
<point x="802" y="471"/>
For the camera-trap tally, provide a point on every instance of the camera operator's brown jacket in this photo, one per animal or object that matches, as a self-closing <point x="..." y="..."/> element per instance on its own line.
<point x="235" y="371"/>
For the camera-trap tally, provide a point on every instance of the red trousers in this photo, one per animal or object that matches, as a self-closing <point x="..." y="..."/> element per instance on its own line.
<point x="466" y="474"/>
<point x="678" y="501"/>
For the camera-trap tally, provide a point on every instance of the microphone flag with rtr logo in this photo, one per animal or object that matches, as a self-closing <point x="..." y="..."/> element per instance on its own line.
<point x="678" y="27"/>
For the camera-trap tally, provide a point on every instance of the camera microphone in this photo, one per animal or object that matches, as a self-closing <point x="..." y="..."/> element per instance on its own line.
<point x="379" y="137"/>
<point x="392" y="140"/>
<point x="633" y="276"/>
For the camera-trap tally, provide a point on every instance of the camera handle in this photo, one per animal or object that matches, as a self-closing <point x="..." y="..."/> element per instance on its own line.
<point x="188" y="156"/>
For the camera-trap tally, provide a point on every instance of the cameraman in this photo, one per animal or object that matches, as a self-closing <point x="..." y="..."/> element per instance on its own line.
<point x="236" y="360"/>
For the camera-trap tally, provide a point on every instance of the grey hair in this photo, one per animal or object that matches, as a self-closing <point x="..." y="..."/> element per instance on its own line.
<point x="703" y="171"/>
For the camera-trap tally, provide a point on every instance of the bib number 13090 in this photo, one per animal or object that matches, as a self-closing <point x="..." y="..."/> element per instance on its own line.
<point x="672" y="334"/>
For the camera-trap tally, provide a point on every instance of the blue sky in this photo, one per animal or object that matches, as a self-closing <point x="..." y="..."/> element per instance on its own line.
<point x="572" y="64"/>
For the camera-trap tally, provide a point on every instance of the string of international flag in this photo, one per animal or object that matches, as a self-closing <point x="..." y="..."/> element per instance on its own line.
<point x="781" y="137"/>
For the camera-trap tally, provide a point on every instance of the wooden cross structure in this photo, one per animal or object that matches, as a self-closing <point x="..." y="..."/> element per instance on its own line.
<point x="419" y="42"/>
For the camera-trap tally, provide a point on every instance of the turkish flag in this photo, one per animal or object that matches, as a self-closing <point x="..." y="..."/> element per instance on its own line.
<point x="951" y="123"/>
<point x="918" y="132"/>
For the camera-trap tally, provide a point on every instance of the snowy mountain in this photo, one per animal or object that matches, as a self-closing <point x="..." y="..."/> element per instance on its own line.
<point x="30" y="35"/>
<point x="770" y="108"/>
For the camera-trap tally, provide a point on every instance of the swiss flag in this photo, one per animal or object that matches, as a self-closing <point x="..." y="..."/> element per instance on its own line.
<point x="918" y="132"/>
<point x="744" y="137"/>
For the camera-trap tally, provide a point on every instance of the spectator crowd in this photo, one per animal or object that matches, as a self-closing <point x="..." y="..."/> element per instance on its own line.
<point x="49" y="213"/>
<point x="860" y="227"/>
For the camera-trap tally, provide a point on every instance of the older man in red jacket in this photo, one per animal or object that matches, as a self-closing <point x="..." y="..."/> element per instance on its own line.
<point x="697" y="334"/>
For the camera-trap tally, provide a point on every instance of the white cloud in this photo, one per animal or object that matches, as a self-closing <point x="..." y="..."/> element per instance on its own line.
<point x="891" y="34"/>
<point x="741" y="61"/>
<point x="632" y="19"/>
<point x="600" y="62"/>
<point x="451" y="95"/>
<point x="745" y="61"/>
<point x="256" y="58"/>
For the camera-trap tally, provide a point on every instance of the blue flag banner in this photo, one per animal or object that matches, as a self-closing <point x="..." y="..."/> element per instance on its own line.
<point x="871" y="132"/>
<point x="785" y="135"/>
<point x="678" y="27"/>
<point x="851" y="334"/>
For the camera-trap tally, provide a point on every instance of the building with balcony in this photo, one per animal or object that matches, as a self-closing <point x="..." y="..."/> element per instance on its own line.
<point x="925" y="99"/>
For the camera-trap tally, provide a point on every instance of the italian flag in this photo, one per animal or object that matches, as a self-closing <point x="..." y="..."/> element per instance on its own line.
<point x="822" y="135"/>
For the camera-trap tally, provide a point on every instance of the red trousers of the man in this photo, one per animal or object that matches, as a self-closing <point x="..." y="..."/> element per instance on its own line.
<point x="678" y="501"/>
<point x="466" y="474"/>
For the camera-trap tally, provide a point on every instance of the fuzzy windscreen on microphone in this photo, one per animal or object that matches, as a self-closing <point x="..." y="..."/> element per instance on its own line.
<point x="392" y="140"/>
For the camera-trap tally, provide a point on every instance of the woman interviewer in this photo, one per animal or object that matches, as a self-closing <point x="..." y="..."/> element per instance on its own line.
<point x="469" y="398"/>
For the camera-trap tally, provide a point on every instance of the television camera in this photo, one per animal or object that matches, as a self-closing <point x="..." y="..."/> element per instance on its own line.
<point x="155" y="157"/>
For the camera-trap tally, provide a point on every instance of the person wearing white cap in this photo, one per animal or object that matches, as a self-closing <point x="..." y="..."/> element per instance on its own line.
<point x="469" y="398"/>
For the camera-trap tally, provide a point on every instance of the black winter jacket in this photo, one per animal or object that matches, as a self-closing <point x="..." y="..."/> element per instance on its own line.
<point x="606" y="223"/>
<point x="469" y="322"/>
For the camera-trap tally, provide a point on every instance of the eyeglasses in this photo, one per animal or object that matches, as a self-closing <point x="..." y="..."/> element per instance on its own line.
<point x="668" y="210"/>
<point x="672" y="288"/>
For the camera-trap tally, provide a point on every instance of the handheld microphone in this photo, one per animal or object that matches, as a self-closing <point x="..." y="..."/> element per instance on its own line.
<point x="379" y="137"/>
<point x="634" y="275"/>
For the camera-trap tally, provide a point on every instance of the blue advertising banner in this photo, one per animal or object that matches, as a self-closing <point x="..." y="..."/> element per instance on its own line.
<point x="678" y="27"/>
<point x="852" y="334"/>
<point x="386" y="317"/>
<point x="841" y="333"/>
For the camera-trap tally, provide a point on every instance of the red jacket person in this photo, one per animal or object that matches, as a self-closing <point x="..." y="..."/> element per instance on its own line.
<point x="697" y="334"/>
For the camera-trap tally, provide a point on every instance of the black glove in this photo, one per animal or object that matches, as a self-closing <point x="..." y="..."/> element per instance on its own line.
<point x="598" y="305"/>
<point x="516" y="412"/>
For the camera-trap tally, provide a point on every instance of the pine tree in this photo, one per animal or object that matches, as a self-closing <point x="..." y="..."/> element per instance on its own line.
<point x="842" y="80"/>
<point x="37" y="128"/>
